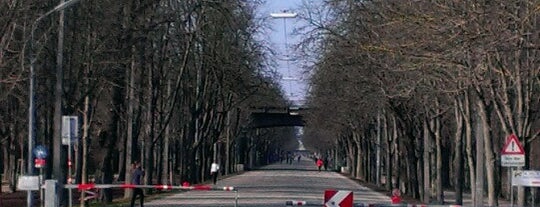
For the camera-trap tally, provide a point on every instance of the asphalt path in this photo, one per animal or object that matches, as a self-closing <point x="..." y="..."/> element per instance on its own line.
<point x="274" y="185"/>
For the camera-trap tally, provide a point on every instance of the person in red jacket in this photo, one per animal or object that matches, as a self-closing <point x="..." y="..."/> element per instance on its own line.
<point x="319" y="163"/>
<point x="396" y="196"/>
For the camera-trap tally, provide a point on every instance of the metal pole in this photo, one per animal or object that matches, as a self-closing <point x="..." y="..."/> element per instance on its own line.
<point x="31" y="112"/>
<point x="533" y="198"/>
<point x="287" y="55"/>
<point x="236" y="198"/>
<point x="31" y="96"/>
<point x="511" y="188"/>
<point x="69" y="172"/>
<point x="284" y="15"/>
<point x="41" y="190"/>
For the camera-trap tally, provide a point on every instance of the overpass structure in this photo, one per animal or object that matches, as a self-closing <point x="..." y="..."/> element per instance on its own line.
<point x="265" y="117"/>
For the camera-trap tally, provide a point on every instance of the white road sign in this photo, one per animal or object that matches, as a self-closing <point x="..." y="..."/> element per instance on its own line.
<point x="28" y="182"/>
<point x="70" y="129"/>
<point x="526" y="178"/>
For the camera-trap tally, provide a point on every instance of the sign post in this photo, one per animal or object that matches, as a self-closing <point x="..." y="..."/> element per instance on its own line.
<point x="70" y="133"/>
<point x="512" y="155"/>
<point x="40" y="152"/>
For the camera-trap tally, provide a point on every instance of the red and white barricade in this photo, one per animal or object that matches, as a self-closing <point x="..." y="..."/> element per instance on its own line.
<point x="295" y="203"/>
<point x="90" y="186"/>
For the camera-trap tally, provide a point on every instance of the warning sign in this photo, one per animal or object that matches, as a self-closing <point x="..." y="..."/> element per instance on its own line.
<point x="513" y="146"/>
<point x="512" y="154"/>
<point x="334" y="198"/>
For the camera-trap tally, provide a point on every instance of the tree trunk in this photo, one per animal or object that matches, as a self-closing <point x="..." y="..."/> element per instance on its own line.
<point x="438" y="148"/>
<point x="149" y="146"/>
<point x="130" y="139"/>
<point x="2" y="164"/>
<point x="110" y="139"/>
<point x="488" y="150"/>
<point x="107" y="164"/>
<point x="350" y="155"/>
<point x="427" y="168"/>
<point x="59" y="154"/>
<point x="397" y="155"/>
<point x="389" y="153"/>
<point x="86" y="126"/>
<point x="228" y="143"/>
<point x="358" y="158"/>
<point x="433" y="160"/>
<point x="458" y="152"/>
<point x="166" y="158"/>
<point x="378" y="149"/>
<point x="469" y="143"/>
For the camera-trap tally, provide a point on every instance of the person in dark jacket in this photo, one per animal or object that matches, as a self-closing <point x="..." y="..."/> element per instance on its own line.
<point x="137" y="175"/>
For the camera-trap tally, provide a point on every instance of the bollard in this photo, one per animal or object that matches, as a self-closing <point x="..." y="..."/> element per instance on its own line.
<point x="51" y="190"/>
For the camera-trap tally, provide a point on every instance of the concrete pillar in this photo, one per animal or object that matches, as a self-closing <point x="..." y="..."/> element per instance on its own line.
<point x="51" y="191"/>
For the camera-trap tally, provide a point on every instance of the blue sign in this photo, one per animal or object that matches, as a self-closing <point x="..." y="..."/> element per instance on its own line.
<point x="40" y="152"/>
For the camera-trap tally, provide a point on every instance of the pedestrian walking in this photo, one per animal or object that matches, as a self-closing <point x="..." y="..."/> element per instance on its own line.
<point x="137" y="175"/>
<point x="214" y="169"/>
<point x="319" y="163"/>
<point x="396" y="196"/>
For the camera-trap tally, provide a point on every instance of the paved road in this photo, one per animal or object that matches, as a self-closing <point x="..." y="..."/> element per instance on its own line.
<point x="273" y="185"/>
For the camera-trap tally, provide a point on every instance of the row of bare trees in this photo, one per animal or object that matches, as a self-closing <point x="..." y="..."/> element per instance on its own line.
<point x="433" y="87"/>
<point x="168" y="83"/>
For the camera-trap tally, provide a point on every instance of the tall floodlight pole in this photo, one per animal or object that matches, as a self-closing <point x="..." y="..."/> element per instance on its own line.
<point x="31" y="104"/>
<point x="285" y="15"/>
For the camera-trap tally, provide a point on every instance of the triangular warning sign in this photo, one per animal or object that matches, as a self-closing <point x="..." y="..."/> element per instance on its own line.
<point x="512" y="146"/>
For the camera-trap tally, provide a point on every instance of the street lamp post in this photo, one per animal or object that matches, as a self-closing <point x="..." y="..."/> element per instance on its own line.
<point x="285" y="15"/>
<point x="31" y="104"/>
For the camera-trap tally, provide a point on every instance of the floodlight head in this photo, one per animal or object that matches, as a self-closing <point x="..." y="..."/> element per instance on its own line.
<point x="283" y="15"/>
<point x="289" y="78"/>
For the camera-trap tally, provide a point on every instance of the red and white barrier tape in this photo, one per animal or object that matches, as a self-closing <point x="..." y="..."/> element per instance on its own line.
<point x="295" y="203"/>
<point x="159" y="187"/>
<point x="402" y="205"/>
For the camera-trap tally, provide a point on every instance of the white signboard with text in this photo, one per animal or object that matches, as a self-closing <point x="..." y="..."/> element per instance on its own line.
<point x="528" y="178"/>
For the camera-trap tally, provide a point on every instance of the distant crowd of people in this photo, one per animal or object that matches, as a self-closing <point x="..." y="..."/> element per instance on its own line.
<point x="289" y="158"/>
<point x="322" y="162"/>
